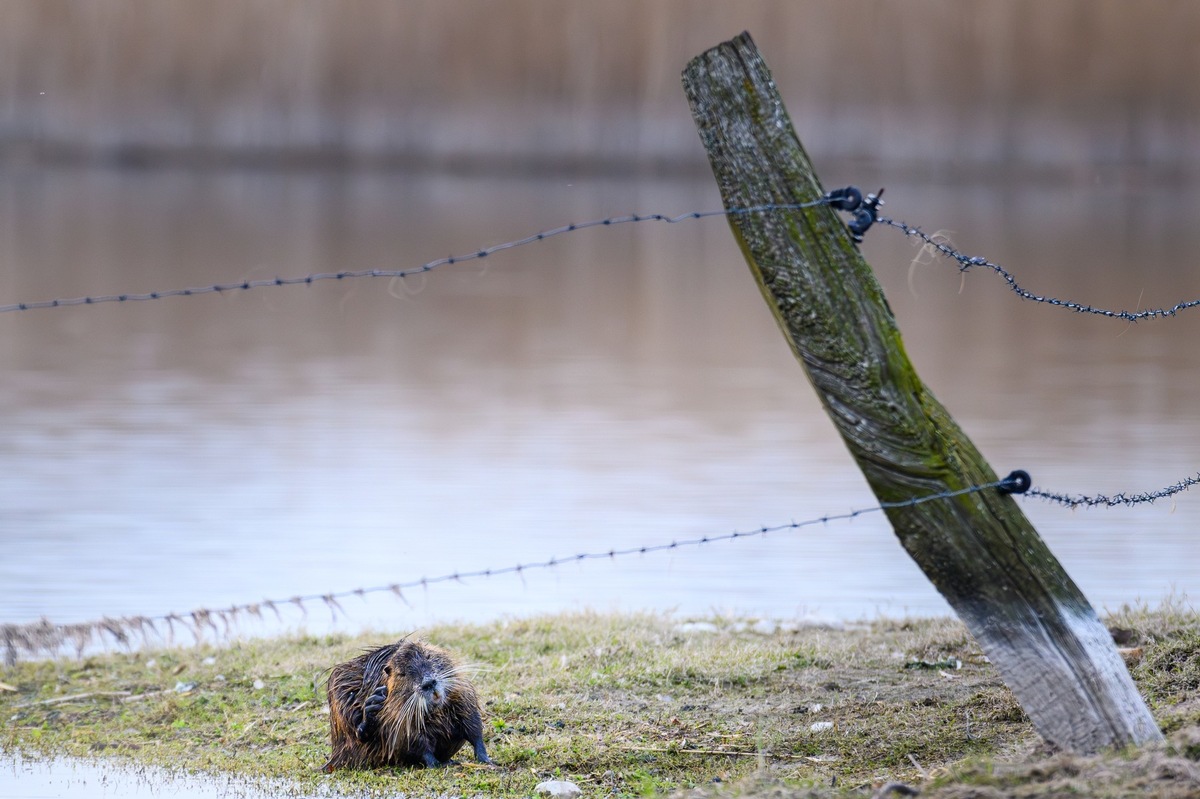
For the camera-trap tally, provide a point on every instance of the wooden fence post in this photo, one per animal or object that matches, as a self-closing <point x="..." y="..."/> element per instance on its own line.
<point x="978" y="549"/>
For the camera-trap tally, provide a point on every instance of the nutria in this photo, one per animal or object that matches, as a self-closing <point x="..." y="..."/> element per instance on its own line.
<point x="405" y="704"/>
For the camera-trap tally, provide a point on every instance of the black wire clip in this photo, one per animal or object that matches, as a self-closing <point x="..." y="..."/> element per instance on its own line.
<point x="1017" y="482"/>
<point x="864" y="211"/>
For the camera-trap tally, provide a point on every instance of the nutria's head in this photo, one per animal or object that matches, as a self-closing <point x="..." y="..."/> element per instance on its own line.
<point x="420" y="673"/>
<point x="421" y="680"/>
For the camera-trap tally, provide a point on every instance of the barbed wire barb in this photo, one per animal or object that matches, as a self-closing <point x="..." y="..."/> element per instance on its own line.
<point x="395" y="589"/>
<point x="170" y="620"/>
<point x="334" y="607"/>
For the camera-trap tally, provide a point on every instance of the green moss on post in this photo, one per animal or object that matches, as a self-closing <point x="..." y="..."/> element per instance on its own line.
<point x="979" y="550"/>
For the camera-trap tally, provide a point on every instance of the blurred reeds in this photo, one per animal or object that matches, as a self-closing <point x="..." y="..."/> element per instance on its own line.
<point x="939" y="84"/>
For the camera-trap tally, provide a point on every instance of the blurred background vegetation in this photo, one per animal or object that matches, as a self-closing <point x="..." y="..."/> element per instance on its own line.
<point x="937" y="85"/>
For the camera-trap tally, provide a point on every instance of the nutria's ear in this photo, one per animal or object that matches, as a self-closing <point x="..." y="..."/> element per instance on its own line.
<point x="387" y="670"/>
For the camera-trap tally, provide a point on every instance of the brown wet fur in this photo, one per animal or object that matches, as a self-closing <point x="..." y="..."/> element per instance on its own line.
<point x="430" y="710"/>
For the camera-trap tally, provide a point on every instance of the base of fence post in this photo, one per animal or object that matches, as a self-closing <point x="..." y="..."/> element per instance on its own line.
<point x="978" y="549"/>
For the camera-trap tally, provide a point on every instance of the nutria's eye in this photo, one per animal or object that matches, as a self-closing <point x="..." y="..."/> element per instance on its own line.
<point x="387" y="670"/>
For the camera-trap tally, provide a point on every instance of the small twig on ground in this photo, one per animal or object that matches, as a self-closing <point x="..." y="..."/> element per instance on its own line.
<point x="140" y="697"/>
<point x="734" y="753"/>
<point x="75" y="697"/>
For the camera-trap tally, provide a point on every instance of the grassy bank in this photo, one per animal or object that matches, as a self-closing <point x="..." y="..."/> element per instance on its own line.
<point x="626" y="706"/>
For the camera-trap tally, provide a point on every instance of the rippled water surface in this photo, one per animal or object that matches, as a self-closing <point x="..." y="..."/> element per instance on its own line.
<point x="609" y="388"/>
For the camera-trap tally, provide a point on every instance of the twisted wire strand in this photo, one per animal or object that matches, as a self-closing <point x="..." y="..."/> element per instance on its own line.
<point x="967" y="262"/>
<point x="483" y="252"/>
<point x="1102" y="500"/>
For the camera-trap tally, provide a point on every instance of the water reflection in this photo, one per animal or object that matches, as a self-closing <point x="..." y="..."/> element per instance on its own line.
<point x="609" y="388"/>
<point x="81" y="779"/>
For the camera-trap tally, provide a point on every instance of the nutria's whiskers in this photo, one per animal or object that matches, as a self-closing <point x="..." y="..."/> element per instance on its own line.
<point x="412" y="715"/>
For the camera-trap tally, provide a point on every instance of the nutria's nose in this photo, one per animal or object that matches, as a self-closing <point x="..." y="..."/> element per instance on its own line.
<point x="429" y="684"/>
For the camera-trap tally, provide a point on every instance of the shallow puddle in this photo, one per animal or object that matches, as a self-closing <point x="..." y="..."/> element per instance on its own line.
<point x="79" y="779"/>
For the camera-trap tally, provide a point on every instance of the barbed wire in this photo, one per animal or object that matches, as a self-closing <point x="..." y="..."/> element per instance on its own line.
<point x="483" y="252"/>
<point x="967" y="262"/>
<point x="863" y="212"/>
<point x="47" y="637"/>
<point x="1102" y="500"/>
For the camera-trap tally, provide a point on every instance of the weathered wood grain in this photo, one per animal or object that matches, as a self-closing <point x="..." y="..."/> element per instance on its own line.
<point x="979" y="550"/>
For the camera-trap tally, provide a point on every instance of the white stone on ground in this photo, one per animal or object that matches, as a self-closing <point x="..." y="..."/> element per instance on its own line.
<point x="557" y="789"/>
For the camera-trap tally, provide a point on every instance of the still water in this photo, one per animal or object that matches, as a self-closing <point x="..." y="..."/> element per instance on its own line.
<point x="79" y="779"/>
<point x="608" y="388"/>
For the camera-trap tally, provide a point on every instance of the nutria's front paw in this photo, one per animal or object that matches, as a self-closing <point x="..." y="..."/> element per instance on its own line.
<point x="371" y="708"/>
<point x="481" y="754"/>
